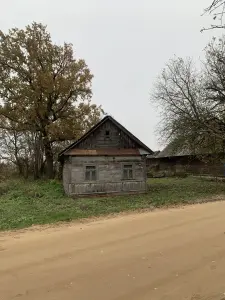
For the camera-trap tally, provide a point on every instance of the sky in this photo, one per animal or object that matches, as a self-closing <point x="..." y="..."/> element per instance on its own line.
<point x="125" y="43"/>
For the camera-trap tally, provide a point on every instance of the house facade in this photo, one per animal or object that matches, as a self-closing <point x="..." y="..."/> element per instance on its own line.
<point x="108" y="159"/>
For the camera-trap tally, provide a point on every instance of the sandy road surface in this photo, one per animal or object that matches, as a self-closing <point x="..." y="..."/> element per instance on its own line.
<point x="175" y="254"/>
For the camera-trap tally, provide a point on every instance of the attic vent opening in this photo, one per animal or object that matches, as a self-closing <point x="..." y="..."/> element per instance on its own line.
<point x="107" y="134"/>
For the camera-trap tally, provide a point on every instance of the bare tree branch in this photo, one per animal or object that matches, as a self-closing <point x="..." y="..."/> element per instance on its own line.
<point x="192" y="102"/>
<point x="217" y="10"/>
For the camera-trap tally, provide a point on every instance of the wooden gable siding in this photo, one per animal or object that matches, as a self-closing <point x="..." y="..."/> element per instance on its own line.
<point x="115" y="139"/>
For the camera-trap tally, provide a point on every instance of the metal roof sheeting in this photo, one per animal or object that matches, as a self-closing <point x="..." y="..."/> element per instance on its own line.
<point x="103" y="152"/>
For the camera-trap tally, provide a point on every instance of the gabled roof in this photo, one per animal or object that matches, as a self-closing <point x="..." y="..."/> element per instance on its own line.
<point x="100" y="123"/>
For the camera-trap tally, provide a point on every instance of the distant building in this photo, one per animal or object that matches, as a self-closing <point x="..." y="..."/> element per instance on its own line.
<point x="108" y="159"/>
<point x="172" y="160"/>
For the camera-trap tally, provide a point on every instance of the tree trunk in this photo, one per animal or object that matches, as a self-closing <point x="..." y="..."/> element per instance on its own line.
<point x="49" y="159"/>
<point x="19" y="167"/>
<point x="38" y="156"/>
<point x="60" y="171"/>
<point x="49" y="166"/>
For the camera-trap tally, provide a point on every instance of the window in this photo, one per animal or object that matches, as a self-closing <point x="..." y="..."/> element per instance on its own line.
<point x="127" y="172"/>
<point x="107" y="134"/>
<point x="90" y="173"/>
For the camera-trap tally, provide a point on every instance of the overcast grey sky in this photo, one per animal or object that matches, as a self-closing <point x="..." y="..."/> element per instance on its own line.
<point x="125" y="43"/>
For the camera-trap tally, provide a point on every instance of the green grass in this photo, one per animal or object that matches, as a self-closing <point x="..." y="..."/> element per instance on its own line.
<point x="24" y="203"/>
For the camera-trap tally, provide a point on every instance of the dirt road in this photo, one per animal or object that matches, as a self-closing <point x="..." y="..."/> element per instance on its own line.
<point x="175" y="254"/>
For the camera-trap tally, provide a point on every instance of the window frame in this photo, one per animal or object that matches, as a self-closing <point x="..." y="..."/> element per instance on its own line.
<point x="91" y="172"/>
<point x="132" y="169"/>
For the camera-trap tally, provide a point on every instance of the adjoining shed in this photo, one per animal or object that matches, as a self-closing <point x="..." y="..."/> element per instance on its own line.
<point x="108" y="159"/>
<point x="183" y="160"/>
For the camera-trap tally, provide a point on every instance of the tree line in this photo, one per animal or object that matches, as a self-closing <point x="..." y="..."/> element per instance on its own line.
<point x="45" y="100"/>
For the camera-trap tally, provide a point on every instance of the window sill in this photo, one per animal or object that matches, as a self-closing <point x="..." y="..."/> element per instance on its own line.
<point x="90" y="181"/>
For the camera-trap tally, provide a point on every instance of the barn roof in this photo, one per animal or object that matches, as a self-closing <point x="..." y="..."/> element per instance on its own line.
<point x="100" y="123"/>
<point x="154" y="154"/>
<point x="170" y="151"/>
<point x="173" y="149"/>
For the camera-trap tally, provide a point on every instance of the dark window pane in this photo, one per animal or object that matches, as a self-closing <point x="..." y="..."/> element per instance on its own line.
<point x="93" y="175"/>
<point x="130" y="176"/>
<point x="127" y="166"/>
<point x="87" y="175"/>
<point x="89" y="168"/>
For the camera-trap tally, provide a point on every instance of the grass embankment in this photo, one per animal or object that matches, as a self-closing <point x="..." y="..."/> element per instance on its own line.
<point x="24" y="203"/>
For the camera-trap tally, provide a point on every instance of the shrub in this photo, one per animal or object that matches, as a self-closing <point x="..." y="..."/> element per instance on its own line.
<point x="181" y="174"/>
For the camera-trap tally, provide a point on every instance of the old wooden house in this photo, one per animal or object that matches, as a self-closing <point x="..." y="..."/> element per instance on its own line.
<point x="108" y="159"/>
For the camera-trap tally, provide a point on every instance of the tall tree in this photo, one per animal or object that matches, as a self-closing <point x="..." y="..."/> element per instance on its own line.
<point x="191" y="103"/>
<point x="214" y="69"/>
<point x="44" y="88"/>
<point x="176" y="92"/>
